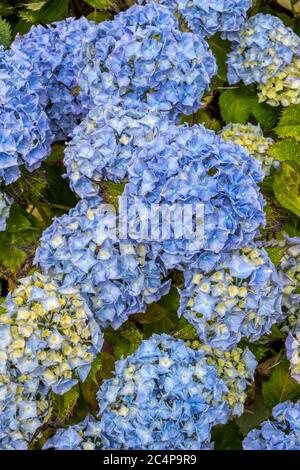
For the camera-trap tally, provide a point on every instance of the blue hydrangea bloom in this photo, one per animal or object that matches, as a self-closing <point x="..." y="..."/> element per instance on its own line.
<point x="22" y="410"/>
<point x="118" y="277"/>
<point x="207" y="17"/>
<point x="265" y="46"/>
<point x="25" y="136"/>
<point x="195" y="166"/>
<point x="5" y="204"/>
<point x="293" y="351"/>
<point x="252" y="138"/>
<point x="83" y="436"/>
<point x="103" y="145"/>
<point x="288" y="250"/>
<point x="142" y="56"/>
<point x="55" y="55"/>
<point x="240" y="298"/>
<point x="280" y="433"/>
<point x="164" y="396"/>
<point x="47" y="333"/>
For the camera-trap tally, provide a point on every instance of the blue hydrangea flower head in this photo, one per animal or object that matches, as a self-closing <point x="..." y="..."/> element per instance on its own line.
<point x="117" y="277"/>
<point x="284" y="88"/>
<point x="142" y="56"/>
<point x="240" y="298"/>
<point x="293" y="351"/>
<point x="23" y="407"/>
<point x="48" y="333"/>
<point x="287" y="250"/>
<point x="207" y="17"/>
<point x="280" y="433"/>
<point x="164" y="396"/>
<point x="25" y="136"/>
<point x="55" y="55"/>
<point x="251" y="137"/>
<point x="195" y="166"/>
<point x="265" y="46"/>
<point x="5" y="204"/>
<point x="103" y="145"/>
<point x="83" y="436"/>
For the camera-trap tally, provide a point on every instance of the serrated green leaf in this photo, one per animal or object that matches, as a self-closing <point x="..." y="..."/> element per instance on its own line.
<point x="241" y="105"/>
<point x="100" y="4"/>
<point x="255" y="413"/>
<point x="227" y="437"/>
<point x="202" y="117"/>
<point x="51" y="11"/>
<point x="289" y="124"/>
<point x="235" y="105"/>
<point x="286" y="187"/>
<point x="5" y="33"/>
<point x="220" y="49"/>
<point x="187" y="332"/>
<point x="286" y="149"/>
<point x="99" y="16"/>
<point x="275" y="254"/>
<point x="101" y="369"/>
<point x="63" y="405"/>
<point x="281" y="386"/>
<point x="20" y="238"/>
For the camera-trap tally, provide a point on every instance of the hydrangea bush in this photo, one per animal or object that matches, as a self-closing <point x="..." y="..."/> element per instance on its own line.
<point x="182" y="333"/>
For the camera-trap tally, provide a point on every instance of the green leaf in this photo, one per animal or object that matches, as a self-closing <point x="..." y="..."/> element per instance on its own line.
<point x="20" y="238"/>
<point x="286" y="187"/>
<point x="227" y="437"/>
<point x="99" y="16"/>
<point x="220" y="49"/>
<point x="241" y="105"/>
<point x="281" y="386"/>
<point x="286" y="149"/>
<point x="289" y="124"/>
<point x="187" y="332"/>
<point x="45" y="12"/>
<point x="202" y="117"/>
<point x="6" y="8"/>
<point x="101" y="369"/>
<point x="63" y="405"/>
<point x="5" y="33"/>
<point x="255" y="413"/>
<point x="275" y="254"/>
<point x="100" y="4"/>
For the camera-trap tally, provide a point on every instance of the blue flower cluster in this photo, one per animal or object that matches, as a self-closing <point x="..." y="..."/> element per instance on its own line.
<point x="164" y="396"/>
<point x="118" y="277"/>
<point x="103" y="145"/>
<point x="47" y="334"/>
<point x="287" y="250"/>
<point x="241" y="298"/>
<point x="264" y="47"/>
<point x="293" y="351"/>
<point x="252" y="138"/>
<point x="207" y="17"/>
<point x="25" y="136"/>
<point x="83" y="436"/>
<point x="54" y="53"/>
<point x="195" y="166"/>
<point x="281" y="433"/>
<point x="163" y="371"/>
<point x="23" y="406"/>
<point x="142" y="56"/>
<point x="5" y="205"/>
